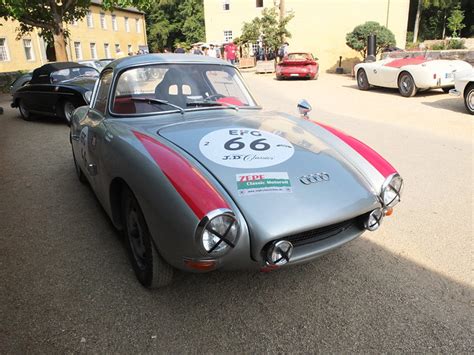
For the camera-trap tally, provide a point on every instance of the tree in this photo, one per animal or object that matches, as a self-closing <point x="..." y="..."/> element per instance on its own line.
<point x="50" y="16"/>
<point x="172" y="22"/>
<point x="455" y="21"/>
<point x="270" y="28"/>
<point x="357" y="39"/>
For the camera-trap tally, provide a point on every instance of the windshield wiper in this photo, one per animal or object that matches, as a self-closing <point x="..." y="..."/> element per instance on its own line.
<point x="157" y="102"/>
<point x="210" y="103"/>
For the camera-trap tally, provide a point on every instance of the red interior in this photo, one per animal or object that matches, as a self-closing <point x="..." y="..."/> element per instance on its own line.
<point x="398" y="63"/>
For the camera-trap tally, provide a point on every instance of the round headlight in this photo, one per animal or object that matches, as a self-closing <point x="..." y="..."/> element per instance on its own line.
<point x="374" y="220"/>
<point x="279" y="253"/>
<point x="217" y="232"/>
<point x="392" y="190"/>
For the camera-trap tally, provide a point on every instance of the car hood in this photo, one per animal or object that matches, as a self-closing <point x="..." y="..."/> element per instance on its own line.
<point x="261" y="159"/>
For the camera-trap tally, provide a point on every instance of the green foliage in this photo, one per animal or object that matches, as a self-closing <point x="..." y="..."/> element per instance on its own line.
<point x="438" y="46"/>
<point x="357" y="39"/>
<point x="269" y="27"/>
<point x="170" y="23"/>
<point x="455" y="44"/>
<point x="455" y="21"/>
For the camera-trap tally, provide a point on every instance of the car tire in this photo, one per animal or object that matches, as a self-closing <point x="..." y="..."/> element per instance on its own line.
<point x="406" y="85"/>
<point x="150" y="268"/>
<point x="24" y="112"/>
<point x="67" y="109"/>
<point x="362" y="80"/>
<point x="469" y="98"/>
<point x="80" y="175"/>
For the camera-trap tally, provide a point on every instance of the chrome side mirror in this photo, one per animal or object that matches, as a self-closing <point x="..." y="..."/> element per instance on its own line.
<point x="304" y="107"/>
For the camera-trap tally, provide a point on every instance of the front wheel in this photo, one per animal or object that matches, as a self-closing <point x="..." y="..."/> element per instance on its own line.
<point x="24" y="112"/>
<point x="469" y="98"/>
<point x="406" y="85"/>
<point x="362" y="81"/>
<point x="68" y="109"/>
<point x="150" y="268"/>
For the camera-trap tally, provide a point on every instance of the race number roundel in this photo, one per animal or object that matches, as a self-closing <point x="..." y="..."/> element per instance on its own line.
<point x="245" y="148"/>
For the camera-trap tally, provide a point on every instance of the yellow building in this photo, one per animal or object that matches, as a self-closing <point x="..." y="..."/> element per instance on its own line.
<point x="318" y="26"/>
<point x="101" y="34"/>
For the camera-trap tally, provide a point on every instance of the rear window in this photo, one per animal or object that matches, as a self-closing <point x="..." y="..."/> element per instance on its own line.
<point x="65" y="75"/>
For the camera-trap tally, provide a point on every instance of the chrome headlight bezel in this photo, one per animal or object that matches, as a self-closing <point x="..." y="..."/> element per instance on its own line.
<point x="206" y="230"/>
<point x="391" y="191"/>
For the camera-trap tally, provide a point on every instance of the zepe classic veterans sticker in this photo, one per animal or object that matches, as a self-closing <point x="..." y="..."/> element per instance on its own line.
<point x="249" y="184"/>
<point x="245" y="148"/>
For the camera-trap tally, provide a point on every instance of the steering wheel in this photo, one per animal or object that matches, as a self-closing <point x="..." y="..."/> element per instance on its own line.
<point x="215" y="97"/>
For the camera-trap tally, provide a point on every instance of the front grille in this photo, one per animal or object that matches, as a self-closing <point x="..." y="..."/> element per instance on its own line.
<point x="318" y="234"/>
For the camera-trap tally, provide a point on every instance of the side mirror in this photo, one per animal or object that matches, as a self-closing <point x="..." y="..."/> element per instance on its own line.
<point x="304" y="107"/>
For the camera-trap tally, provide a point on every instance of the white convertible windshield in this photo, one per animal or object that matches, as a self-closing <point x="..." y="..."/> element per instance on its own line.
<point x="167" y="87"/>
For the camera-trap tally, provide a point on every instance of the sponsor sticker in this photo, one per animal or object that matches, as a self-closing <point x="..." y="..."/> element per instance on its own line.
<point x="245" y="148"/>
<point x="254" y="183"/>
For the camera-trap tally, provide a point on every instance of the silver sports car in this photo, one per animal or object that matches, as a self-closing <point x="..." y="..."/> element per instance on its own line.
<point x="199" y="179"/>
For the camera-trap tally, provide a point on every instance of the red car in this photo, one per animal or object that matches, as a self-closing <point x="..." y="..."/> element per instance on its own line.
<point x="298" y="65"/>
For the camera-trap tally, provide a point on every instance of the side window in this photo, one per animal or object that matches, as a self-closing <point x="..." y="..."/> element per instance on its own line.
<point x="100" y="103"/>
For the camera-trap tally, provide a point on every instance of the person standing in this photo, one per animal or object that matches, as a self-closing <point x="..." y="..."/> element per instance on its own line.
<point x="179" y="49"/>
<point x="230" y="52"/>
<point x="212" y="52"/>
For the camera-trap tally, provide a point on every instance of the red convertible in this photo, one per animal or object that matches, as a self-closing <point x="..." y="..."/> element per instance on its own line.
<point x="298" y="65"/>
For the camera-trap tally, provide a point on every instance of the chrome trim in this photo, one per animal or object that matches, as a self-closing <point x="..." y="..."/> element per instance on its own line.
<point x="379" y="219"/>
<point x="201" y="227"/>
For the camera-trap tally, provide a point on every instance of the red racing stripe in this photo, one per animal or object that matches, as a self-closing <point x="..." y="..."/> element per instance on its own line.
<point x="195" y="190"/>
<point x="365" y="151"/>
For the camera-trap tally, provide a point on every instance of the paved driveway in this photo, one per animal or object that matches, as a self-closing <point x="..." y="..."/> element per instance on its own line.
<point x="67" y="285"/>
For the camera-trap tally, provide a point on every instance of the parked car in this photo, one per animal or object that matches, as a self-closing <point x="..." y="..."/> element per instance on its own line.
<point x="464" y="86"/>
<point x="22" y="80"/>
<point x="105" y="61"/>
<point x="409" y="75"/>
<point x="96" y="64"/>
<point x="56" y="89"/>
<point x="298" y="65"/>
<point x="199" y="179"/>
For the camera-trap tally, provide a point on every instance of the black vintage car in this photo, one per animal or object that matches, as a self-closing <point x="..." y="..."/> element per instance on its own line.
<point x="56" y="89"/>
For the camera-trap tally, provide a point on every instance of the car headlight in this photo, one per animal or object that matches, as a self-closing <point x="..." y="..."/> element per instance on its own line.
<point x="374" y="219"/>
<point x="391" y="190"/>
<point x="88" y="96"/>
<point x="217" y="232"/>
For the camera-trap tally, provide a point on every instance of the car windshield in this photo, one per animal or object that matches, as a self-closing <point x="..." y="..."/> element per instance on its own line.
<point x="299" y="56"/>
<point x="171" y="87"/>
<point x="68" y="74"/>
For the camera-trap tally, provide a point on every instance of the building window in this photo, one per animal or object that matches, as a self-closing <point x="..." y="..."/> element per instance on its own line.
<point x="117" y="48"/>
<point x="127" y="27"/>
<point x="30" y="55"/>
<point x="93" y="51"/>
<point x="129" y="48"/>
<point x="107" y="50"/>
<point x="103" y="23"/>
<point x="90" y="21"/>
<point x="138" y="25"/>
<point x="78" y="50"/>
<point x="226" y="5"/>
<point x="114" y="23"/>
<point x="4" y="57"/>
<point x="227" y="36"/>
<point x="259" y="3"/>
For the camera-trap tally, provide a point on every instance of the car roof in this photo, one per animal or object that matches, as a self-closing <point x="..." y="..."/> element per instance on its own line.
<point x="167" y="58"/>
<point x="45" y="70"/>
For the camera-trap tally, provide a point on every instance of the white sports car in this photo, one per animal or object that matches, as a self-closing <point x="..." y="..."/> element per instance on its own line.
<point x="464" y="85"/>
<point x="409" y="74"/>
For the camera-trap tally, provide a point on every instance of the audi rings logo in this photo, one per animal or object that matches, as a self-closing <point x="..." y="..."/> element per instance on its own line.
<point x="314" y="178"/>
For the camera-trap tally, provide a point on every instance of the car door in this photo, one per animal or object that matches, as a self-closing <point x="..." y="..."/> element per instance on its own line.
<point x="93" y="133"/>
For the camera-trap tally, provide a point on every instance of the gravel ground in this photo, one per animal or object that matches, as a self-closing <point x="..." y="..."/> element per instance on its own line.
<point x="67" y="285"/>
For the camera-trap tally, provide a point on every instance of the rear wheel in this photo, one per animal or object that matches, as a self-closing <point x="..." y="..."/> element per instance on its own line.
<point x="24" y="112"/>
<point x="469" y="98"/>
<point x="150" y="268"/>
<point x="406" y="85"/>
<point x="362" y="81"/>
